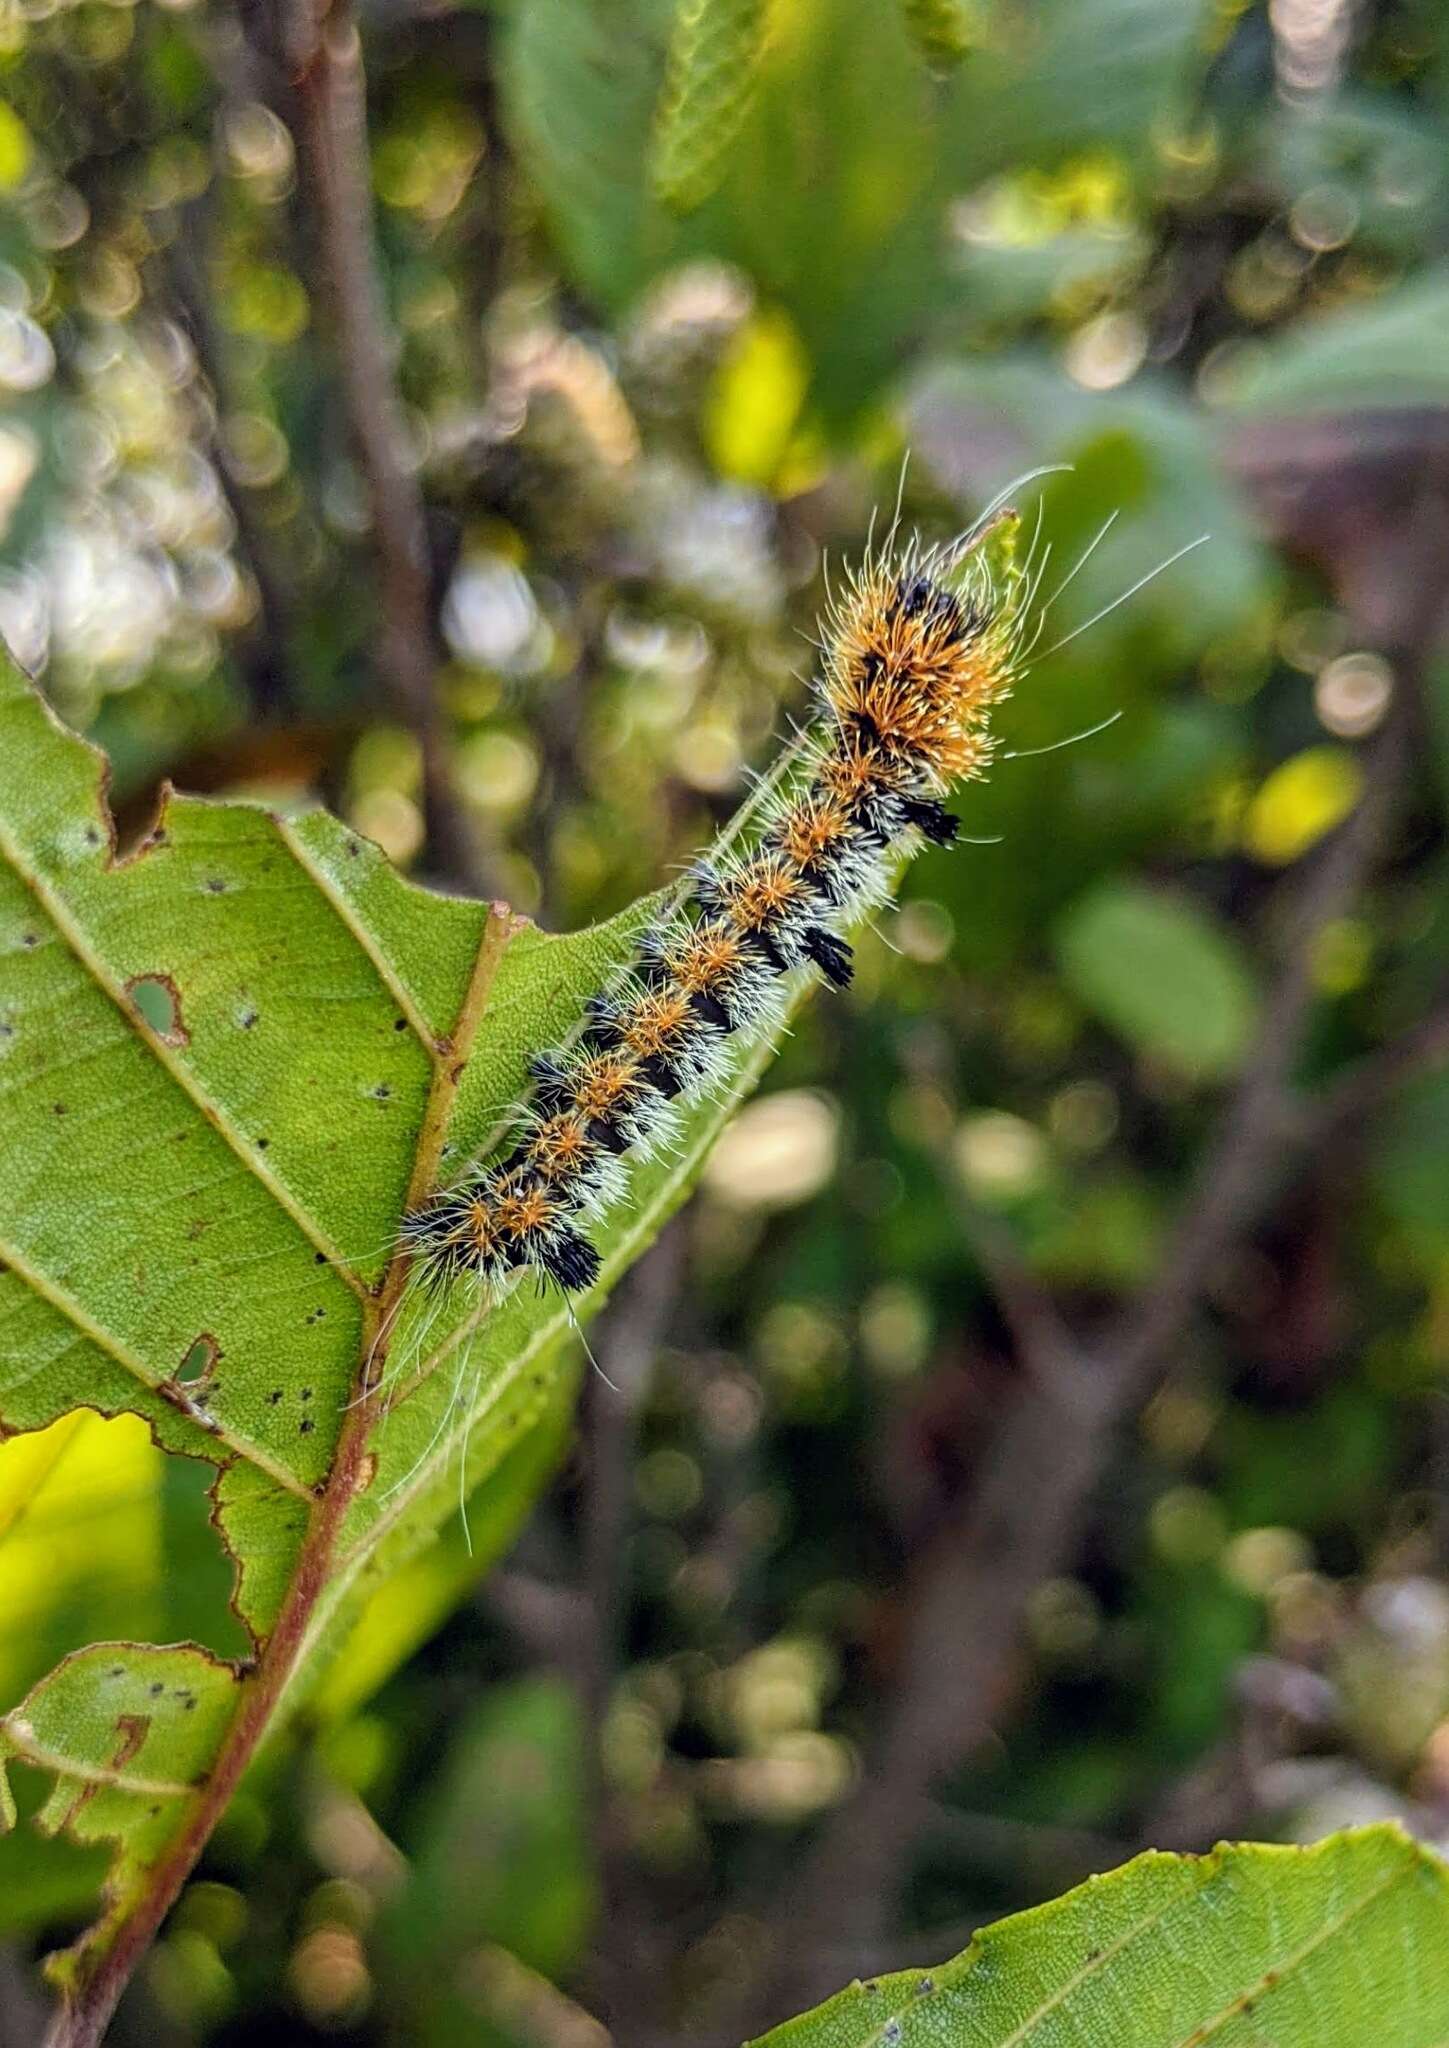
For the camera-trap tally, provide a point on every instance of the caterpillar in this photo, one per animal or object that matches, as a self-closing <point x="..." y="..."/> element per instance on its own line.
<point x="917" y="650"/>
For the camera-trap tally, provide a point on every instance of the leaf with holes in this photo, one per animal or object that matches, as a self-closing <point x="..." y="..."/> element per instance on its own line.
<point x="229" y="1061"/>
<point x="1345" y="1944"/>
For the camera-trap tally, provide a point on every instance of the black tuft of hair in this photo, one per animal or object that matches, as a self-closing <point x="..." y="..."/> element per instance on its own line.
<point x="711" y="1009"/>
<point x="550" y="1082"/>
<point x="831" y="955"/>
<point x="662" y="1075"/>
<point x="569" y="1260"/>
<point x="939" y="825"/>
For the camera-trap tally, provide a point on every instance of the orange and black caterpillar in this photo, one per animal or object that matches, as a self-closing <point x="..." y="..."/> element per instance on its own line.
<point x="914" y="655"/>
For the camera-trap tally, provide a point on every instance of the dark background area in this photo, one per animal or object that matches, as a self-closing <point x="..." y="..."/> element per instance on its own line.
<point x="1030" y="1444"/>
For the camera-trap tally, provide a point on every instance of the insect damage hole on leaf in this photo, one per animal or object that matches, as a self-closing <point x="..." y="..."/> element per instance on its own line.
<point x="158" y="1003"/>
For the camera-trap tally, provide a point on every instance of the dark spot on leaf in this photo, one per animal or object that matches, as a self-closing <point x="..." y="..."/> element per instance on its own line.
<point x="215" y="886"/>
<point x="274" y="1397"/>
<point x="30" y="940"/>
<point x="247" y="1019"/>
<point x="926" y="1984"/>
<point x="306" y="1393"/>
<point x="158" y="1005"/>
<point x="189" y="1702"/>
<point x="93" y="838"/>
<point x="306" y="1426"/>
<point x="353" y="848"/>
<point x="116" y="1671"/>
<point x="319" y="1258"/>
<point x="262" y="1144"/>
<point x="401" y="1024"/>
<point x="153" y="1811"/>
<point x="156" y="1689"/>
<point x="160" y="836"/>
<point x="57" y="1108"/>
<point x="382" y="1093"/>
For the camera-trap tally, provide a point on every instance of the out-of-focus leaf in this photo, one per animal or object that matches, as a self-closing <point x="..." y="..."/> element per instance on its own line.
<point x="1389" y="352"/>
<point x="499" y="1859"/>
<point x="1301" y="800"/>
<point x="1251" y="1944"/>
<point x="410" y="1602"/>
<point x="1139" y="452"/>
<point x="93" y="1543"/>
<point x="822" y="204"/>
<point x="44" y="1883"/>
<point x="754" y="408"/>
<point x="714" y="54"/>
<point x="1016" y="282"/>
<point x="1070" y="75"/>
<point x="1409" y="1160"/>
<point x="1161" y="972"/>
<point x="1366" y="165"/>
<point x="580" y="82"/>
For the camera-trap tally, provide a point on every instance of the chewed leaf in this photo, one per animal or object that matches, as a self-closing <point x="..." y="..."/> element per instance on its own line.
<point x="276" y="1191"/>
<point x="129" y="1733"/>
<point x="1347" y="1942"/>
<point x="222" y="1058"/>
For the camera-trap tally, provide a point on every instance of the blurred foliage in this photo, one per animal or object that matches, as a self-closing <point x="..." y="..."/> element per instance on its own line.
<point x="1133" y="236"/>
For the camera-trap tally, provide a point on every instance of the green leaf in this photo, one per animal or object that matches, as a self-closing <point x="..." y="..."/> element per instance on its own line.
<point x="832" y="218"/>
<point x="228" y="1061"/>
<point x="1074" y="76"/>
<point x="499" y="1857"/>
<point x="1389" y="352"/>
<point x="713" y="57"/>
<point x="1160" y="971"/>
<point x="1138" y="452"/>
<point x="1345" y="1943"/>
<point x="580" y="80"/>
<point x="1412" y="1142"/>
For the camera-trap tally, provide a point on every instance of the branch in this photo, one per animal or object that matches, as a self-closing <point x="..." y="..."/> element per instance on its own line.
<point x="1348" y="1103"/>
<point x="323" y="53"/>
<point x="268" y="666"/>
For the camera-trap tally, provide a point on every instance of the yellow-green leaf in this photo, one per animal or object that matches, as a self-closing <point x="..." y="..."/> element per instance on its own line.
<point x="1345" y="1945"/>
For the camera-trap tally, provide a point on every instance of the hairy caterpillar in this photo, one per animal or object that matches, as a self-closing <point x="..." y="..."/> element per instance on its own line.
<point x="916" y="652"/>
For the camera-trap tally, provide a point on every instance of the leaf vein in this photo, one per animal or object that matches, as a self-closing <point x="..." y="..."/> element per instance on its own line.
<point x="107" y="1341"/>
<point x="76" y="938"/>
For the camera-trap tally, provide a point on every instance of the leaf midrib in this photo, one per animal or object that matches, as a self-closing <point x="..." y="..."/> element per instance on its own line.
<point x="1273" y="1976"/>
<point x="353" y="1560"/>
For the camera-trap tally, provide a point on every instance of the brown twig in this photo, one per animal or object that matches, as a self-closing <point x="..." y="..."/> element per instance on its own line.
<point x="268" y="656"/>
<point x="322" y="51"/>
